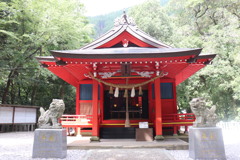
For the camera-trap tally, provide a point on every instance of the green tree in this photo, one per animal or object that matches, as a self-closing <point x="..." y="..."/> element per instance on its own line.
<point x="211" y="25"/>
<point x="30" y="28"/>
<point x="152" y="19"/>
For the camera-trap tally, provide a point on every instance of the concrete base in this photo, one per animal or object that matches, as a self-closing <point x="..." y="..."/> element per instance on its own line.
<point x="159" y="138"/>
<point x="95" y="139"/>
<point x="206" y="143"/>
<point x="175" y="135"/>
<point x="50" y="143"/>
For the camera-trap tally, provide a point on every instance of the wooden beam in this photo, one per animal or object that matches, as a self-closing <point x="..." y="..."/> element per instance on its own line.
<point x="126" y="69"/>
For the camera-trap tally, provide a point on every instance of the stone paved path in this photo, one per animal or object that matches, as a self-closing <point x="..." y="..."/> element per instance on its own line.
<point x="128" y="154"/>
<point x="18" y="146"/>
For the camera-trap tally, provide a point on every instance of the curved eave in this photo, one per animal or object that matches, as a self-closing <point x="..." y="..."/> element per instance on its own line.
<point x="46" y="59"/>
<point x="118" y="53"/>
<point x="209" y="56"/>
<point x="133" y="30"/>
<point x="50" y="63"/>
<point x="200" y="62"/>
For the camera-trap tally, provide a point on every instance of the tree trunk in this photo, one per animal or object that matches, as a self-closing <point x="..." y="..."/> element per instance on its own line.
<point x="12" y="93"/>
<point x="61" y="91"/>
<point x="34" y="90"/>
<point x="33" y="95"/>
<point x="19" y="94"/>
<point x="6" y="89"/>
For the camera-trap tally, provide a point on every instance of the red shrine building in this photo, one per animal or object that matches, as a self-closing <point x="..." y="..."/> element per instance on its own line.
<point x="126" y="77"/>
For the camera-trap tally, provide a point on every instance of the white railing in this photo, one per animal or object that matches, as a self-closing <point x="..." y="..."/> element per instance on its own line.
<point x="77" y="120"/>
<point x="229" y="125"/>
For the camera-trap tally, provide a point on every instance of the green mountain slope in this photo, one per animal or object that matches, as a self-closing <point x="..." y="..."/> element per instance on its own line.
<point x="104" y="23"/>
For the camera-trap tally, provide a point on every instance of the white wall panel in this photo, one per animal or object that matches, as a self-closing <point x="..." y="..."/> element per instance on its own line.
<point x="6" y="114"/>
<point x="25" y="115"/>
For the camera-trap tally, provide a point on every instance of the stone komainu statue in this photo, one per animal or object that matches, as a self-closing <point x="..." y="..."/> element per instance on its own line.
<point x="49" y="119"/>
<point x="205" y="117"/>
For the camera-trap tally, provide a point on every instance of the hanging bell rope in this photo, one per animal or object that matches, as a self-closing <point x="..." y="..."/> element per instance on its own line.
<point x="127" y="121"/>
<point x="111" y="90"/>
<point x="125" y="93"/>
<point x="125" y="86"/>
<point x="140" y="91"/>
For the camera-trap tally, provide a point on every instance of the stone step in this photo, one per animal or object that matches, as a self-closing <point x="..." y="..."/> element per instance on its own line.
<point x="168" y="143"/>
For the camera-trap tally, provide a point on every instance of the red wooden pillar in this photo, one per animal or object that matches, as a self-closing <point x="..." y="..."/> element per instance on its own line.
<point x="175" y="129"/>
<point x="175" y="97"/>
<point x="77" y="100"/>
<point x="101" y="102"/>
<point x="78" y="129"/>
<point x="186" y="129"/>
<point x="95" y="120"/>
<point x="158" y="110"/>
<point x="175" y="110"/>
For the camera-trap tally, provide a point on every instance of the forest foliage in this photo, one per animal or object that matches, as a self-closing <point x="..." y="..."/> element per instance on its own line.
<point x="211" y="25"/>
<point x="30" y="28"/>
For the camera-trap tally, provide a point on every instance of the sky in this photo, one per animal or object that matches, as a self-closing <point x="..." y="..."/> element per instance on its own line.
<point x="100" y="7"/>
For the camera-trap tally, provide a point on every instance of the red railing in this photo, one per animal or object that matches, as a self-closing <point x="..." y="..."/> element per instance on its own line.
<point x="179" y="118"/>
<point x="169" y="120"/>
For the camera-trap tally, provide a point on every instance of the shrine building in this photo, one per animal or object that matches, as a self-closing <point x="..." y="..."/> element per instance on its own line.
<point x="123" y="78"/>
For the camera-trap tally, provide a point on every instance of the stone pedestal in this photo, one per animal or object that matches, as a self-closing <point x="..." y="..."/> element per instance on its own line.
<point x="206" y="143"/>
<point x="50" y="143"/>
<point x="144" y="134"/>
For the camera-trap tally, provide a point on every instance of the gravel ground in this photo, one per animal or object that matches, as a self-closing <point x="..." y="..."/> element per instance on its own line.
<point x="18" y="146"/>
